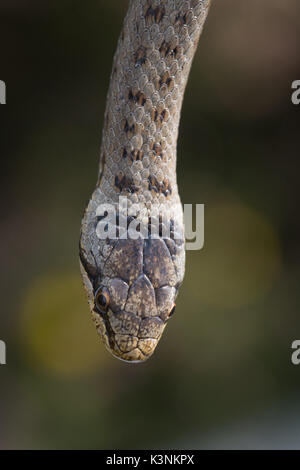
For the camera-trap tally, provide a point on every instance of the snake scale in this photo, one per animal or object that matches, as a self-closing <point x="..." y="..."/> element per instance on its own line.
<point x="132" y="283"/>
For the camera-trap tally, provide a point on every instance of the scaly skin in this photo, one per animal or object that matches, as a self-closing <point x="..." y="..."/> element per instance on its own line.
<point x="136" y="281"/>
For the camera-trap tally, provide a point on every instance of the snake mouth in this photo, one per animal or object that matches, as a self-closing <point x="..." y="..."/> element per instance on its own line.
<point x="139" y="353"/>
<point x="132" y="356"/>
<point x="128" y="337"/>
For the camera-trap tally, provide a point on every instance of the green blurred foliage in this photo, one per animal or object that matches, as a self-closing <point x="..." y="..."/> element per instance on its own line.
<point x="226" y="353"/>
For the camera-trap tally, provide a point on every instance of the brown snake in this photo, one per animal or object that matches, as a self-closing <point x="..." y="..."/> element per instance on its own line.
<point x="132" y="283"/>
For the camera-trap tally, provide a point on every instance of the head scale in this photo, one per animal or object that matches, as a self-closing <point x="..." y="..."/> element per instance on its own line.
<point x="132" y="291"/>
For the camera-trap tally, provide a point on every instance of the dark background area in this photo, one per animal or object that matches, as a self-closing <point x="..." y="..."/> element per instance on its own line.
<point x="222" y="375"/>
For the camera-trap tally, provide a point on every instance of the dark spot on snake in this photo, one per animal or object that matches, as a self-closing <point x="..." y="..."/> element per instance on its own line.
<point x="154" y="114"/>
<point x="152" y="181"/>
<point x="165" y="78"/>
<point x="125" y="183"/>
<point x="140" y="56"/>
<point x="136" y="155"/>
<point x="180" y="19"/>
<point x="138" y="98"/>
<point x="130" y="95"/>
<point x="163" y="188"/>
<point x="129" y="130"/>
<point x="141" y="98"/>
<point x="124" y="154"/>
<point x="154" y="14"/>
<point x="177" y="52"/>
<point x="163" y="115"/>
<point x="159" y="117"/>
<point x="167" y="51"/>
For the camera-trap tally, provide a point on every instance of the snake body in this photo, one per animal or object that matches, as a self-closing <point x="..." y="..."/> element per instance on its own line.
<point x="132" y="283"/>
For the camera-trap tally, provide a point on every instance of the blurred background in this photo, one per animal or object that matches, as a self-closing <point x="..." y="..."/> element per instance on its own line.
<point x="222" y="375"/>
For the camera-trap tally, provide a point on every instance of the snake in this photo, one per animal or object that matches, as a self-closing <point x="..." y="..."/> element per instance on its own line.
<point x="132" y="282"/>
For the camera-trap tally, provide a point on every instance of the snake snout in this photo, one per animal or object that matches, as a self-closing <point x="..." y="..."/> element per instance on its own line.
<point x="132" y="338"/>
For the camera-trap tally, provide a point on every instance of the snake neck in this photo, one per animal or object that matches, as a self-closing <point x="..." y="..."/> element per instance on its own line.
<point x="150" y="70"/>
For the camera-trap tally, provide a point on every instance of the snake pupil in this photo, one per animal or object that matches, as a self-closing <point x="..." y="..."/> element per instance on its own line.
<point x="102" y="300"/>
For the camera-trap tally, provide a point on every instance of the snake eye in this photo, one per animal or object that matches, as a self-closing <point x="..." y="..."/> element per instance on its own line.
<point x="172" y="310"/>
<point x="101" y="299"/>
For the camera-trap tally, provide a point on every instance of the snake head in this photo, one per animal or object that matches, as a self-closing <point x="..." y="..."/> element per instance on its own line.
<point x="132" y="286"/>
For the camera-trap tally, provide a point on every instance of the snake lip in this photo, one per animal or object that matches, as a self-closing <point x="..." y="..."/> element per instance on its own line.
<point x="131" y="361"/>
